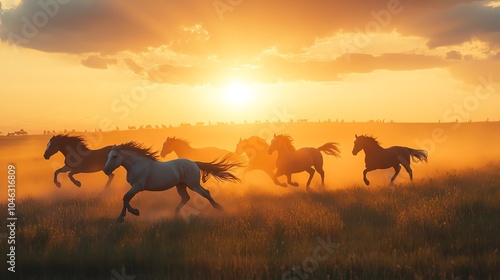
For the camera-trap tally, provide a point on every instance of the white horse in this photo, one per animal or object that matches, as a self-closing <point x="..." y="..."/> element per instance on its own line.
<point x="145" y="172"/>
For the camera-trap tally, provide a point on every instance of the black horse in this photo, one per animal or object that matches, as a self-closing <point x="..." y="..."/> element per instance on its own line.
<point x="78" y="157"/>
<point x="377" y="157"/>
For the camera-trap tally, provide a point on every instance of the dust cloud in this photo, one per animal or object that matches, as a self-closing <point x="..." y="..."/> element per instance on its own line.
<point x="450" y="147"/>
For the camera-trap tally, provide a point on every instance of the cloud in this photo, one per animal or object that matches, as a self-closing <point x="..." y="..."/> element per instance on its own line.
<point x="133" y="66"/>
<point x="453" y="55"/>
<point x="463" y="23"/>
<point x="274" y="68"/>
<point x="194" y="27"/>
<point x="98" y="62"/>
<point x="202" y="44"/>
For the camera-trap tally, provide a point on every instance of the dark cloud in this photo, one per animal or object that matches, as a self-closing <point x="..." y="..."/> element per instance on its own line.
<point x="194" y="27"/>
<point x="98" y="62"/>
<point x="453" y="55"/>
<point x="463" y="23"/>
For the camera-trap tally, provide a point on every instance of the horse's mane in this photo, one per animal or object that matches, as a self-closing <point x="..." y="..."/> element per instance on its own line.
<point x="140" y="149"/>
<point x="71" y="140"/>
<point x="369" y="139"/>
<point x="258" y="140"/>
<point x="288" y="140"/>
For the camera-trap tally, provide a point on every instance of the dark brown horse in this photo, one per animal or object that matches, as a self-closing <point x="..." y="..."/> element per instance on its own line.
<point x="78" y="158"/>
<point x="377" y="157"/>
<point x="291" y="161"/>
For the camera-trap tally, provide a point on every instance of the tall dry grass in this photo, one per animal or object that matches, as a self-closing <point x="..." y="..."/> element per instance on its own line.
<point x="442" y="227"/>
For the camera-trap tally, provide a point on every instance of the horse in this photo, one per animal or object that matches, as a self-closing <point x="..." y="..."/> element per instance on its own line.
<point x="377" y="157"/>
<point x="291" y="160"/>
<point x="258" y="159"/>
<point x="182" y="149"/>
<point x="78" y="158"/>
<point x="145" y="172"/>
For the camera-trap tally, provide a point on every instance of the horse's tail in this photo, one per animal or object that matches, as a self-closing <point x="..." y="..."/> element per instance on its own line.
<point x="418" y="155"/>
<point x="220" y="169"/>
<point x="330" y="148"/>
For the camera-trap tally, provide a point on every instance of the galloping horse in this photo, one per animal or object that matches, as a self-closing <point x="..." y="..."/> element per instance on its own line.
<point x="182" y="149"/>
<point x="145" y="172"/>
<point x="291" y="160"/>
<point x="377" y="157"/>
<point x="258" y="159"/>
<point x="78" y="157"/>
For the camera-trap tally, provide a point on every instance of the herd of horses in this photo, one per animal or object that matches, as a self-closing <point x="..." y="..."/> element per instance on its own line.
<point x="195" y="165"/>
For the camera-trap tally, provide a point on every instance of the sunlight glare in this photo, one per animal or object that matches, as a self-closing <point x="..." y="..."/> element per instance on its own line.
<point x="493" y="4"/>
<point x="237" y="94"/>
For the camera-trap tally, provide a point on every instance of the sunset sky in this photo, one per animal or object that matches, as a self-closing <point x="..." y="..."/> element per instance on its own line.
<point x="85" y="64"/>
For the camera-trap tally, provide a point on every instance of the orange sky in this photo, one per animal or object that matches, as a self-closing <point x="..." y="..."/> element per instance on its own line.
<point x="88" y="64"/>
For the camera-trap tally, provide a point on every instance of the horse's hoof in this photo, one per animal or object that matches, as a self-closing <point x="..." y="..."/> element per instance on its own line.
<point x="367" y="182"/>
<point x="284" y="185"/>
<point x="294" y="184"/>
<point x="78" y="183"/>
<point x="218" y="207"/>
<point x="57" y="184"/>
<point x="134" y="211"/>
<point x="120" y="219"/>
<point x="308" y="188"/>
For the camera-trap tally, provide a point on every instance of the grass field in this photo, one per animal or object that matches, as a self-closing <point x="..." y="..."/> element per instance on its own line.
<point x="443" y="227"/>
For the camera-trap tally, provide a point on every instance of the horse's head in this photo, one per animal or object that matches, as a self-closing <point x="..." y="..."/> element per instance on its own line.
<point x="52" y="147"/>
<point x="168" y="146"/>
<point x="241" y="147"/>
<point x="358" y="145"/>
<point x="114" y="161"/>
<point x="364" y="142"/>
<point x="280" y="142"/>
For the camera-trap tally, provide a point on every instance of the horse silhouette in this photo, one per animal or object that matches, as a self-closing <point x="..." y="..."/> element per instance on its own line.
<point x="291" y="161"/>
<point x="183" y="149"/>
<point x="377" y="157"/>
<point x="258" y="158"/>
<point x="146" y="173"/>
<point x="78" y="158"/>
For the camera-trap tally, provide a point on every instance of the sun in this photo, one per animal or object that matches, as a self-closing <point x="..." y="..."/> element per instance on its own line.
<point x="238" y="94"/>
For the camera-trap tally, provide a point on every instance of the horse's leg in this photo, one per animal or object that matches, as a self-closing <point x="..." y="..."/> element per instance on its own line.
<point x="318" y="165"/>
<point x="181" y="190"/>
<point x="62" y="169"/>
<point x="110" y="178"/>
<point x="76" y="182"/>
<point x="275" y="178"/>
<point x="408" y="169"/>
<point x="322" y="174"/>
<point x="397" y="168"/>
<point x="310" y="170"/>
<point x="126" y="201"/>
<point x="364" y="175"/>
<point x="122" y="214"/>
<point x="289" y="180"/>
<point x="206" y="194"/>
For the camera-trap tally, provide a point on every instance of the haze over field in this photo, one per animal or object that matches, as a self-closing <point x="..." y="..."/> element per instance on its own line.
<point x="450" y="147"/>
<point x="442" y="224"/>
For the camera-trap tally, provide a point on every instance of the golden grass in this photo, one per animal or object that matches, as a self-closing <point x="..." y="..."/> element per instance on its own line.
<point x="443" y="227"/>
